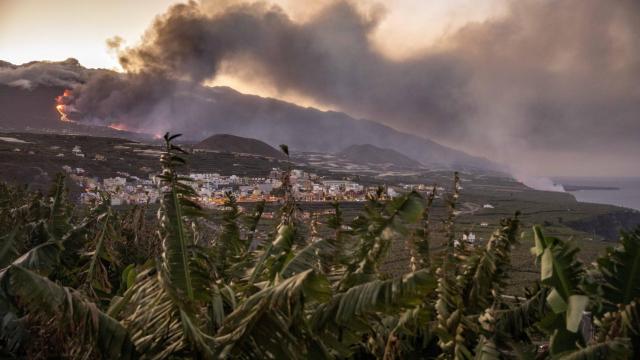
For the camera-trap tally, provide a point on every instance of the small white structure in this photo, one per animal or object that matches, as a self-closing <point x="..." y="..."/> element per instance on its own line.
<point x="488" y="206"/>
<point x="77" y="151"/>
<point x="470" y="238"/>
<point x="484" y="224"/>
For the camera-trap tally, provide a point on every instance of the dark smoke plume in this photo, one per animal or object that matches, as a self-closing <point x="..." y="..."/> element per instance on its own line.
<point x="329" y="58"/>
<point x="66" y="73"/>
<point x="549" y="78"/>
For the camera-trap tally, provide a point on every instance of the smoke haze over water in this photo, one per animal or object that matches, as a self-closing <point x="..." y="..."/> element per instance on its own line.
<point x="550" y="87"/>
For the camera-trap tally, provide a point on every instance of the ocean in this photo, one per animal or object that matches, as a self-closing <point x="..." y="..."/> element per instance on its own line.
<point x="627" y="193"/>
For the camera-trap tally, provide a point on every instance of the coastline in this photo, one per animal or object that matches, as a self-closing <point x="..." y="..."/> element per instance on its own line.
<point x="623" y="192"/>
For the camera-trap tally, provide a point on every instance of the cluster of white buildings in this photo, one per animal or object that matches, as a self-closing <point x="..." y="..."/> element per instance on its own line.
<point x="212" y="187"/>
<point x="123" y="189"/>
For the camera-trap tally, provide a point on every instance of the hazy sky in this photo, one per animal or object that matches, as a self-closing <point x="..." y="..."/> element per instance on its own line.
<point x="56" y="30"/>
<point x="547" y="86"/>
<point x="59" y="29"/>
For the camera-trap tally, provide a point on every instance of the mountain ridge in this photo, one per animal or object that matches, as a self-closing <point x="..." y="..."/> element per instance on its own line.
<point x="205" y="111"/>
<point x="238" y="144"/>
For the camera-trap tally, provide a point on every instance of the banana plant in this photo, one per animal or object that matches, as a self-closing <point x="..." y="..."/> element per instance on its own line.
<point x="252" y="220"/>
<point x="19" y="301"/>
<point x="162" y="308"/>
<point x="99" y="252"/>
<point x="94" y="331"/>
<point x="229" y="247"/>
<point x="563" y="274"/>
<point x="271" y="323"/>
<point x="273" y="257"/>
<point x="619" y="316"/>
<point x="296" y="296"/>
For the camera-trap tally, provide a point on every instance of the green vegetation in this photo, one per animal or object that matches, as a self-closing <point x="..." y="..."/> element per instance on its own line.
<point x="103" y="283"/>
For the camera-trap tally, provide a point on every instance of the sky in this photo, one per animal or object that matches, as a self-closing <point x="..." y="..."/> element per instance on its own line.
<point x="547" y="86"/>
<point x="56" y="30"/>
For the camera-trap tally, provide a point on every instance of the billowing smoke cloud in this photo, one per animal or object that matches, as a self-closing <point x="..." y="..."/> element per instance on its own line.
<point x="557" y="76"/>
<point x="66" y="73"/>
<point x="329" y="58"/>
<point x="538" y="182"/>
<point x="126" y="98"/>
<point x="549" y="78"/>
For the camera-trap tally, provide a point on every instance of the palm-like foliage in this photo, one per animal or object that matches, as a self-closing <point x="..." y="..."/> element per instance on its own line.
<point x="163" y="304"/>
<point x="178" y="206"/>
<point x="563" y="274"/>
<point x="376" y="229"/>
<point x="8" y="247"/>
<point x="252" y="222"/>
<point x="489" y="266"/>
<point x="93" y="329"/>
<point x="48" y="258"/>
<point x="266" y="324"/>
<point x="620" y="268"/>
<point x="619" y="317"/>
<point x="100" y="254"/>
<point x="105" y="288"/>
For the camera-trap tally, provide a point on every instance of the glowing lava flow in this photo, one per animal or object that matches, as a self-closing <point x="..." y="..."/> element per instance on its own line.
<point x="62" y="106"/>
<point x="119" y="127"/>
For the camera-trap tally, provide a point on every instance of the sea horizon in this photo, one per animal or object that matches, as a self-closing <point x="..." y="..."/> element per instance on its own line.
<point x="626" y="192"/>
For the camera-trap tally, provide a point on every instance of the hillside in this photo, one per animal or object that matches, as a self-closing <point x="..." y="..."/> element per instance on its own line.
<point x="224" y="110"/>
<point x="38" y="160"/>
<point x="204" y="111"/>
<point x="369" y="154"/>
<point x="238" y="144"/>
<point x="23" y="108"/>
<point x="35" y="158"/>
<point x="34" y="110"/>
